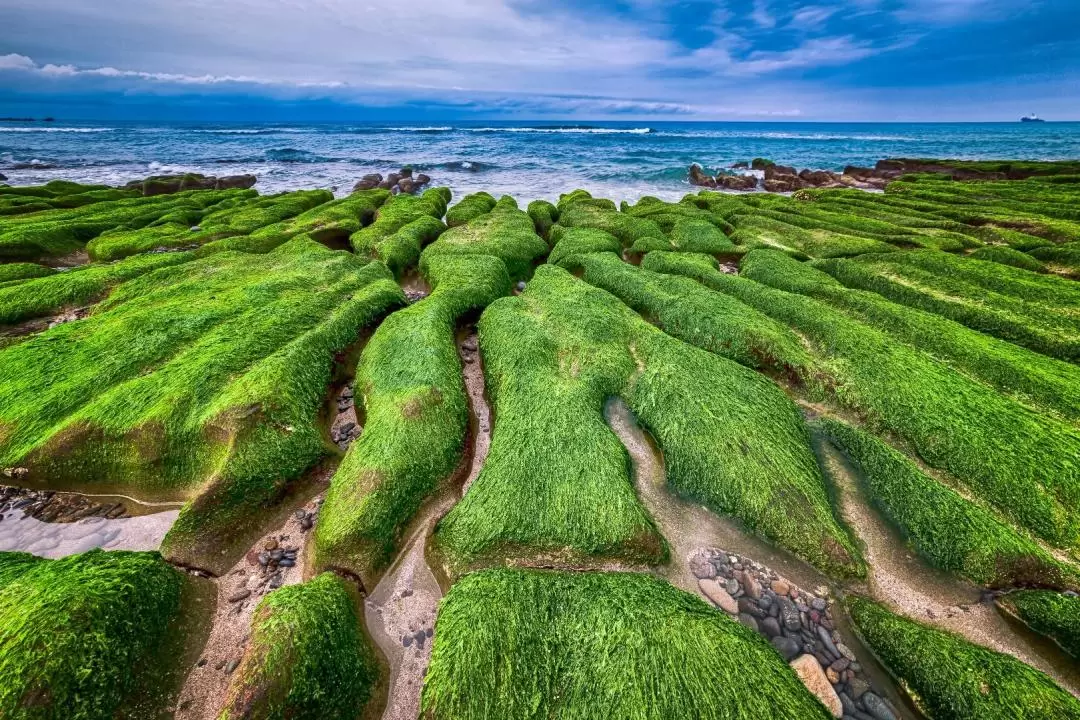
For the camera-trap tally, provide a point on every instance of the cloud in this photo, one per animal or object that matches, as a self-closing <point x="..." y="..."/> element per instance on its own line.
<point x="13" y="61"/>
<point x="646" y="57"/>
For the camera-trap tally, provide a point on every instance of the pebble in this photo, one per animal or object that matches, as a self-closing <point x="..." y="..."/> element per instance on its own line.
<point x="810" y="673"/>
<point x="239" y="595"/>
<point x="827" y="640"/>
<point x="701" y="567"/>
<point x="749" y="607"/>
<point x="270" y="544"/>
<point x="753" y="588"/>
<point x="407" y="640"/>
<point x="521" y="286"/>
<point x="719" y="596"/>
<point x="232" y="665"/>
<point x="877" y="707"/>
<point x="818" y="604"/>
<point x="770" y="627"/>
<point x="789" y="615"/>
<point x="731" y="585"/>
<point x="780" y="587"/>
<point x="748" y="621"/>
<point x="858" y="687"/>
<point x="787" y="647"/>
<point x="287" y="562"/>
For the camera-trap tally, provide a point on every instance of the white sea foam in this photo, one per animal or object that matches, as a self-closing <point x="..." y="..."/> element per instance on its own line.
<point x="55" y="130"/>
<point x="568" y="130"/>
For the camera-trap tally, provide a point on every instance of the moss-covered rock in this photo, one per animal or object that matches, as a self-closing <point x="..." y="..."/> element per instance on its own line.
<point x="307" y="657"/>
<point x="74" y="631"/>
<point x="1055" y="615"/>
<point x="516" y="644"/>
<point x="950" y="678"/>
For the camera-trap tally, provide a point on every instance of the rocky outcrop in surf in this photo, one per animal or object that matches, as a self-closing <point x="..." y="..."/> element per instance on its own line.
<point x="403" y="181"/>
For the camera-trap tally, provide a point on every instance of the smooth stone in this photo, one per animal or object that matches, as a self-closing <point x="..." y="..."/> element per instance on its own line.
<point x="701" y="566"/>
<point x="287" y="562"/>
<point x="787" y="647"/>
<point x="789" y="615"/>
<point x="849" y="705"/>
<point x="832" y="675"/>
<point x="840" y="665"/>
<point x="232" y="665"/>
<point x="770" y="627"/>
<point x="719" y="596"/>
<point x="780" y="587"/>
<point x="859" y="687"/>
<point x="877" y="707"/>
<point x="748" y="606"/>
<point x="818" y="604"/>
<point x="748" y="621"/>
<point x="813" y="677"/>
<point x="239" y="595"/>
<point x="826" y="639"/>
<point x="752" y="586"/>
<point x="845" y="651"/>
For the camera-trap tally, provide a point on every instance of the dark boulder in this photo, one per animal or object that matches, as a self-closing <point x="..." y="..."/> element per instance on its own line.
<point x="236" y="182"/>
<point x="368" y="182"/>
<point x="390" y="181"/>
<point x="773" y="171"/>
<point x="699" y="178"/>
<point x="407" y="185"/>
<point x="786" y="183"/>
<point x="422" y="179"/>
<point x="406" y="172"/>
<point x="818" y="178"/>
<point x="741" y="165"/>
<point x="761" y="163"/>
<point x="737" y="182"/>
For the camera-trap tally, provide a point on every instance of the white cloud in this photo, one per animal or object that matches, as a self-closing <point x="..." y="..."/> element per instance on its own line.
<point x="762" y="16"/>
<point x="13" y="61"/>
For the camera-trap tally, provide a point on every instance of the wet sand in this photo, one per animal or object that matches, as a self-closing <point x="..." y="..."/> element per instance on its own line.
<point x="56" y="540"/>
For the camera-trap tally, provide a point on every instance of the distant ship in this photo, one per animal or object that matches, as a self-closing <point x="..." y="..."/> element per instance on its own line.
<point x="1031" y="118"/>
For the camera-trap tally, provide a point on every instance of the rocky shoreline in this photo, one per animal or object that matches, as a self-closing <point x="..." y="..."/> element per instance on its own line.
<point x="54" y="507"/>
<point x="762" y="174"/>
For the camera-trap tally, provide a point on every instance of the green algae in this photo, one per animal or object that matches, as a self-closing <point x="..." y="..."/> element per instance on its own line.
<point x="529" y="644"/>
<point x="377" y="242"/>
<point x="410" y="386"/>
<point x="1023" y="463"/>
<point x="949" y="531"/>
<point x="950" y="678"/>
<point x="1043" y="383"/>
<point x="1029" y="309"/>
<point x="569" y="242"/>
<point x="219" y="396"/>
<point x="505" y="232"/>
<point x="1055" y="615"/>
<point x="555" y="483"/>
<point x="74" y="631"/>
<point x="469" y="207"/>
<point x="307" y="656"/>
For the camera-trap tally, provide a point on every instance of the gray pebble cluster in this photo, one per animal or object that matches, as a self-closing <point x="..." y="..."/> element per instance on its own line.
<point x="49" y="506"/>
<point x="799" y="625"/>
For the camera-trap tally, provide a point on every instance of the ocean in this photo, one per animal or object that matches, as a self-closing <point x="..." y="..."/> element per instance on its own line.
<point x="622" y="161"/>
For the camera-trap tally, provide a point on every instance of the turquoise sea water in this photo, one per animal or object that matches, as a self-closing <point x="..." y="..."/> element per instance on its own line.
<point x="528" y="160"/>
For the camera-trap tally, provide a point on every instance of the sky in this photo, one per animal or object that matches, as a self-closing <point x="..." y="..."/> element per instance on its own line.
<point x="750" y="60"/>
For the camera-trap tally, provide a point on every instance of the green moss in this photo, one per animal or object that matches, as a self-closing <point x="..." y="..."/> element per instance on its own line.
<point x="307" y="656"/>
<point x="506" y="233"/>
<point x="74" y="631"/>
<point x="1034" y="379"/>
<point x="59" y="232"/>
<point x="409" y="379"/>
<point x="51" y="293"/>
<point x="242" y="216"/>
<point x="952" y="679"/>
<point x="757" y="231"/>
<point x="1023" y="463"/>
<point x="1049" y="613"/>
<point x="1064" y="259"/>
<point x="527" y="644"/>
<point x="556" y="479"/>
<point x="581" y="210"/>
<point x="569" y="242"/>
<point x="14" y="272"/>
<point x="469" y="207"/>
<point x="706" y="319"/>
<point x="543" y="215"/>
<point x="1008" y="256"/>
<point x="689" y="235"/>
<point x="397" y="212"/>
<point x="950" y="532"/>
<point x="219" y="396"/>
<point x="1014" y="305"/>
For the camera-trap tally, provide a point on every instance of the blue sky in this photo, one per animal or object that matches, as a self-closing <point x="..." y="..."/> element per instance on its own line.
<point x="440" y="59"/>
